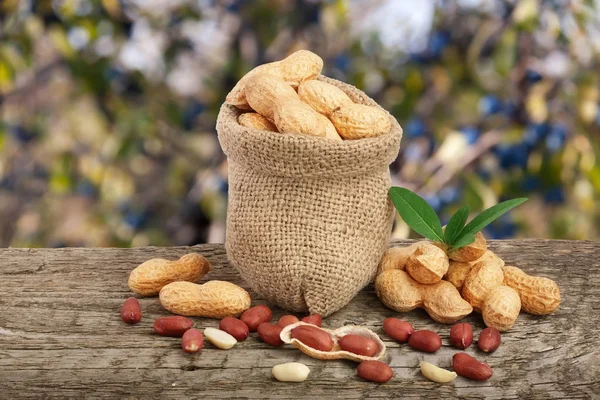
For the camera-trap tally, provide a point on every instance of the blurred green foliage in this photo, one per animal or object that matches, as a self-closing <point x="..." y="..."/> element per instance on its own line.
<point x="108" y="108"/>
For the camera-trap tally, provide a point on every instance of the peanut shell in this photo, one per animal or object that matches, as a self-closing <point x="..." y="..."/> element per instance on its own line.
<point x="323" y="96"/>
<point x="395" y="258"/>
<point x="264" y="92"/>
<point x="501" y="308"/>
<point x="214" y="299"/>
<point x="256" y="121"/>
<point x="480" y="280"/>
<point x="359" y="121"/>
<point x="471" y="252"/>
<point x="427" y="264"/>
<point x="442" y="301"/>
<point x="298" y="67"/>
<point x="294" y="116"/>
<point x="336" y="353"/>
<point x="539" y="296"/>
<point x="151" y="276"/>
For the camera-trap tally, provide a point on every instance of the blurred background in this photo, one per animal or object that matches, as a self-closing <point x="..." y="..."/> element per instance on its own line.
<point x="108" y="108"/>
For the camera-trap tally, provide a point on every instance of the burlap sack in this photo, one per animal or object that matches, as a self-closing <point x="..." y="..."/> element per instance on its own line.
<point x="308" y="219"/>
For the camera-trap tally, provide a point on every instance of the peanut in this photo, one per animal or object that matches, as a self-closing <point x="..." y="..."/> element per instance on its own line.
<point x="256" y="121"/>
<point x="298" y="67"/>
<point x="425" y="340"/>
<point x="483" y="289"/>
<point x="192" y="341"/>
<point x="458" y="271"/>
<point x="309" y="336"/>
<point x="235" y="328"/>
<point x="489" y="340"/>
<point x="323" y="96"/>
<point x="480" y="280"/>
<point x="468" y="367"/>
<point x="396" y="258"/>
<point x="314" y="319"/>
<point x="294" y="116"/>
<point x="397" y="329"/>
<point x="174" y="326"/>
<point x="427" y="264"/>
<point x="269" y="334"/>
<point x="255" y="316"/>
<point x="151" y="276"/>
<point x="501" y="308"/>
<point x="313" y="337"/>
<point x="374" y="371"/>
<point x="358" y="344"/>
<point x="442" y="301"/>
<point x="214" y="299"/>
<point x="330" y="132"/>
<point x="436" y="374"/>
<point x="358" y="121"/>
<point x="131" y="312"/>
<point x="264" y="92"/>
<point x="290" y="372"/>
<point x="287" y="320"/>
<point x="539" y="296"/>
<point x="219" y="338"/>
<point x="471" y="252"/>
<point x="461" y="335"/>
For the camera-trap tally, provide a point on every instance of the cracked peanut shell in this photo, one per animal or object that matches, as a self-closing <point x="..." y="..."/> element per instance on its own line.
<point x="335" y="353"/>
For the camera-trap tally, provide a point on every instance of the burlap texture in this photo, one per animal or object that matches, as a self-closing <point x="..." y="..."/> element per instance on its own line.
<point x="308" y="219"/>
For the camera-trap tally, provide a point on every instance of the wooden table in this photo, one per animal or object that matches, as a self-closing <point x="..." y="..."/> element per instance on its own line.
<point x="61" y="336"/>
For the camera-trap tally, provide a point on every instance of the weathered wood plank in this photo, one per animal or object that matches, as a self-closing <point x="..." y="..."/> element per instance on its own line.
<point x="61" y="335"/>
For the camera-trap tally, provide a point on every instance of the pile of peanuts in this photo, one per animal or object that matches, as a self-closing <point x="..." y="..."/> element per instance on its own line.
<point x="285" y="96"/>
<point x="450" y="285"/>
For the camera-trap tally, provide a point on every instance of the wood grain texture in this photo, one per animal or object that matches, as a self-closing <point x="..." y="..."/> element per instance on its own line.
<point x="61" y="335"/>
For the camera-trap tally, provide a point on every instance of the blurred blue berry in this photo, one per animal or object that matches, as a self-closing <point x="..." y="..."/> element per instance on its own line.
<point x="21" y="134"/>
<point x="503" y="228"/>
<point x="534" y="133"/>
<point x="415" y="127"/>
<point x="484" y="174"/>
<point x="433" y="200"/>
<point x="554" y="195"/>
<point x="342" y="62"/>
<point x="515" y="155"/>
<point x="136" y="220"/>
<point x="530" y="183"/>
<point x="234" y="6"/>
<point x="419" y="58"/>
<point x="86" y="189"/>
<point x="511" y="109"/>
<point x="190" y="113"/>
<point x="223" y="186"/>
<point x="449" y="194"/>
<point x="8" y="182"/>
<point x="532" y="76"/>
<point x="471" y="133"/>
<point x="556" y="138"/>
<point x="489" y="105"/>
<point x="414" y="152"/>
<point x="438" y="42"/>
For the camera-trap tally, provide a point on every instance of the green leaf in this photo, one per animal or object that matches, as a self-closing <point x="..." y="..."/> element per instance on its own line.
<point x="417" y="213"/>
<point x="488" y="216"/>
<point x="456" y="224"/>
<point x="463" y="241"/>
